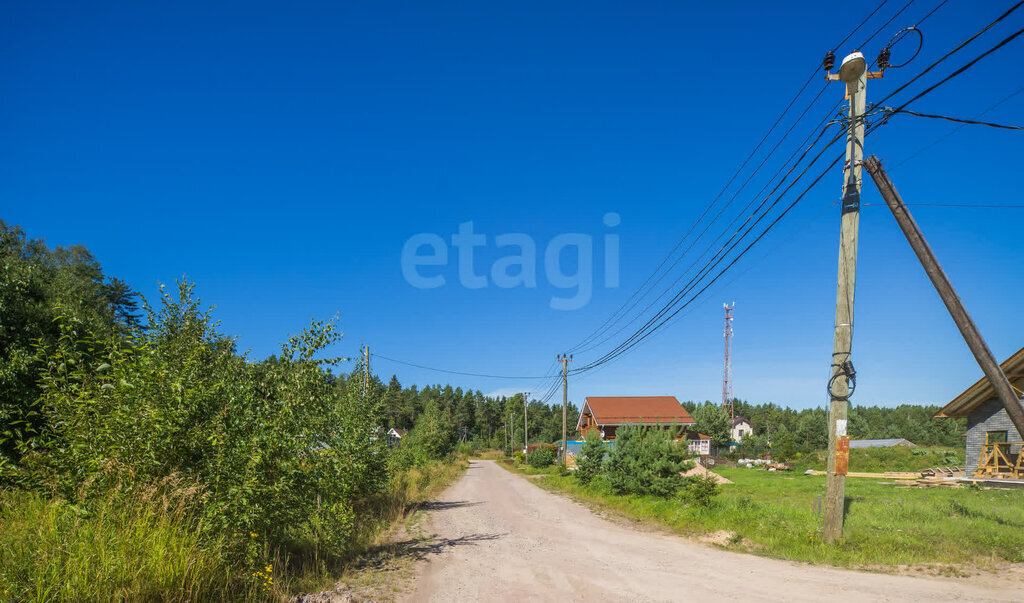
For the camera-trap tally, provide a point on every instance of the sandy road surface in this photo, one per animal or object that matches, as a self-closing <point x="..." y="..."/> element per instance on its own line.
<point x="501" y="538"/>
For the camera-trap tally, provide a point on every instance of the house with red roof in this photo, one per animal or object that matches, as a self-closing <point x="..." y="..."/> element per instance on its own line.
<point x="608" y="413"/>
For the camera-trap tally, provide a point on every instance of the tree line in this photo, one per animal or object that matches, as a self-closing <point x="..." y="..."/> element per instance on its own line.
<point x="488" y="421"/>
<point x="790" y="431"/>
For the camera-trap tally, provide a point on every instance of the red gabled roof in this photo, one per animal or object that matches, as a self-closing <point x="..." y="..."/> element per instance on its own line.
<point x="617" y="410"/>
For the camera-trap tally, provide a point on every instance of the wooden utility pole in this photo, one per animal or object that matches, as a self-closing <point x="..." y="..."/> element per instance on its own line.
<point x="565" y="360"/>
<point x="366" y="370"/>
<point x="854" y="76"/>
<point x="949" y="296"/>
<point x="526" y="426"/>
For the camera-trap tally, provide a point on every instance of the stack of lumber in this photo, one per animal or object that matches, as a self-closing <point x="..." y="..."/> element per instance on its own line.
<point x="931" y="482"/>
<point x="943" y="472"/>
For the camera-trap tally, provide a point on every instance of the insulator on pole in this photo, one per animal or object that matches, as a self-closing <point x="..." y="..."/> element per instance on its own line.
<point x="830" y="61"/>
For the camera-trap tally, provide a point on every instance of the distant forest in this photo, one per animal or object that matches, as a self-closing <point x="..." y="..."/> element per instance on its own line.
<point x="481" y="418"/>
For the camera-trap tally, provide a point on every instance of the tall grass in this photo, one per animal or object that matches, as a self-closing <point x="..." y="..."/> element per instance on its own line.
<point x="144" y="544"/>
<point x="151" y="543"/>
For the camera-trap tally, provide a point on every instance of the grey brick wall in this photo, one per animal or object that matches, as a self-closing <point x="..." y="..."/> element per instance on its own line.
<point x="990" y="416"/>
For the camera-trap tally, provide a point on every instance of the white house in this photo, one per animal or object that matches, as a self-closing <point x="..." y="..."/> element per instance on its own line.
<point x="740" y="428"/>
<point x="698" y="443"/>
<point x="395" y="436"/>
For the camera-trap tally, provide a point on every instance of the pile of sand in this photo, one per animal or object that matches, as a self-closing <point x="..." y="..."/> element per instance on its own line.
<point x="700" y="470"/>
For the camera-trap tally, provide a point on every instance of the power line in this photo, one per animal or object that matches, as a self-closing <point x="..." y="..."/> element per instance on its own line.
<point x="627" y="306"/>
<point x="450" y="372"/>
<point x="958" y="205"/>
<point x="646" y="330"/>
<point x="891" y="19"/>
<point x="623" y="309"/>
<point x="649" y="327"/>
<point x="670" y="287"/>
<point x="623" y="348"/>
<point x="866" y="19"/>
<point x="957" y="128"/>
<point x="959" y="71"/>
<point x="972" y="122"/>
<point x="931" y="12"/>
<point x="958" y="48"/>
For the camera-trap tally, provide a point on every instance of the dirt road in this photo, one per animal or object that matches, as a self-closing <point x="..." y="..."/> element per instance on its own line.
<point x="501" y="538"/>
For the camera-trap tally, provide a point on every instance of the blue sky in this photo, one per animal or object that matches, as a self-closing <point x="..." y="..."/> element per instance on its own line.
<point x="281" y="156"/>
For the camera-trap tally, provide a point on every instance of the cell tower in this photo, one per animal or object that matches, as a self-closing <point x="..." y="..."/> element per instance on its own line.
<point x="727" y="373"/>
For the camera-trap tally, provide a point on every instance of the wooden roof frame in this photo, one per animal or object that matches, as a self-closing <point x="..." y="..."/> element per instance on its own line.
<point x="982" y="391"/>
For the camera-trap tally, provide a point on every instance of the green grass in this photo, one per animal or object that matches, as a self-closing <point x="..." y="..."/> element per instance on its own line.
<point x="771" y="514"/>
<point x="488" y="455"/>
<point x="894" y="458"/>
<point x="145" y="547"/>
<point x="150" y="544"/>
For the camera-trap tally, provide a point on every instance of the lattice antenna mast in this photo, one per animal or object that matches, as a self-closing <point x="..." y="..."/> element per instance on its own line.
<point x="727" y="372"/>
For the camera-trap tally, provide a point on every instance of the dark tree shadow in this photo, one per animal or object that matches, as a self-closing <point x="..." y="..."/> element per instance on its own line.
<point x="380" y="557"/>
<point x="437" y="505"/>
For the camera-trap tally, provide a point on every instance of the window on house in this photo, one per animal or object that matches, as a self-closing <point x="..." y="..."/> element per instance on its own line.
<point x="995" y="437"/>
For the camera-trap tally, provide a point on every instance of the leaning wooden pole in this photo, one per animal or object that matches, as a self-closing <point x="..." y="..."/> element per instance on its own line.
<point x="954" y="304"/>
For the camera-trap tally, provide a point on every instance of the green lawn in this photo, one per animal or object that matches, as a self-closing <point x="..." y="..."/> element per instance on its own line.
<point x="880" y="460"/>
<point x="772" y="514"/>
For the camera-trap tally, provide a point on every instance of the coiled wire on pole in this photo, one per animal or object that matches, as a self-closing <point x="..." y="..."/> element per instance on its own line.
<point x="845" y="370"/>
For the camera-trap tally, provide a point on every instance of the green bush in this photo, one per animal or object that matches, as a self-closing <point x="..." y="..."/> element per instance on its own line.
<point x="647" y="461"/>
<point x="542" y="456"/>
<point x="519" y="457"/>
<point x="590" y="458"/>
<point x="701" y="490"/>
<point x="278" y="450"/>
<point x="432" y="439"/>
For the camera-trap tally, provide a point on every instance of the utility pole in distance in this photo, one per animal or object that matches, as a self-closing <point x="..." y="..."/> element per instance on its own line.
<point x="854" y="75"/>
<point x="366" y="370"/>
<point x="565" y="360"/>
<point x="949" y="296"/>
<point x="526" y="426"/>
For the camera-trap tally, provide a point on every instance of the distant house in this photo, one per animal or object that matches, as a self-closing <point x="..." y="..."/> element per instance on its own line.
<point x="886" y="443"/>
<point x="993" y="445"/>
<point x="740" y="428"/>
<point x="395" y="435"/>
<point x="608" y="413"/>
<point x="698" y="443"/>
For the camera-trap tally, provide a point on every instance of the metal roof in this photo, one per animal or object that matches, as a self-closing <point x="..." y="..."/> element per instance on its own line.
<point x="884" y="443"/>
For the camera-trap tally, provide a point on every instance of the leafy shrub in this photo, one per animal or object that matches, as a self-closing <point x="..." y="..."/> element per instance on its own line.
<point x="590" y="458"/>
<point x="701" y="490"/>
<point x="519" y="457"/>
<point x="432" y="439"/>
<point x="279" y="451"/>
<point x="647" y="461"/>
<point x="542" y="456"/>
